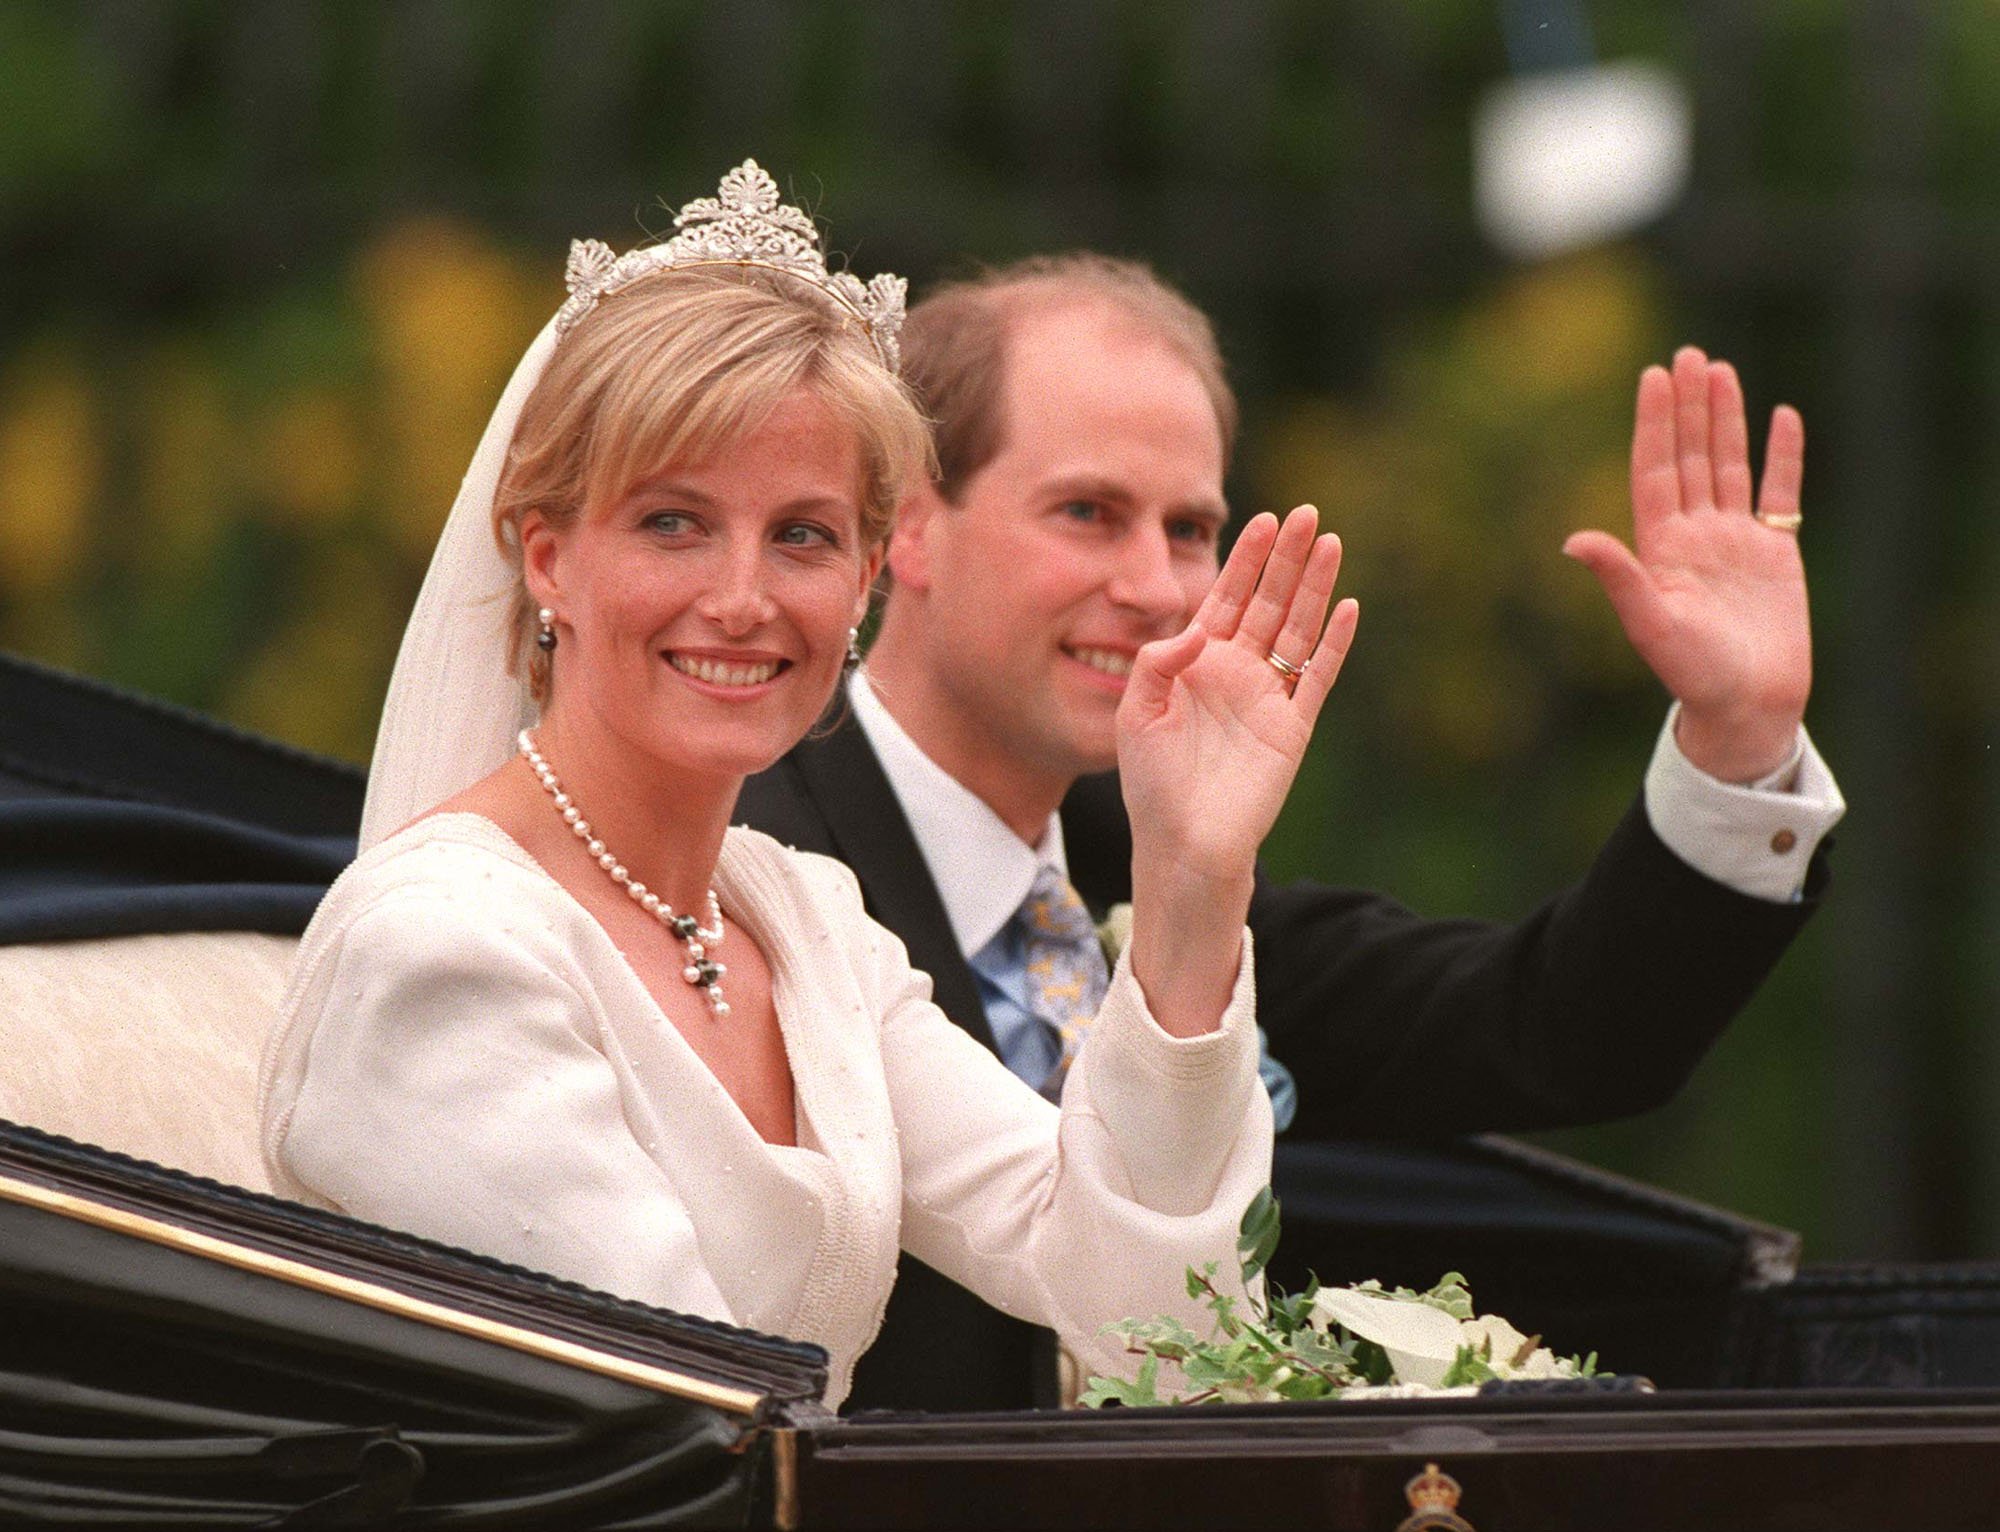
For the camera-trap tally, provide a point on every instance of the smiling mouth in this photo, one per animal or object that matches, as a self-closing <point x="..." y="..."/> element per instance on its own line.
<point x="726" y="672"/>
<point x="1111" y="662"/>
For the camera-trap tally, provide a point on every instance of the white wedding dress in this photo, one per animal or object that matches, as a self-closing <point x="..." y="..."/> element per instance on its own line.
<point x="465" y="1054"/>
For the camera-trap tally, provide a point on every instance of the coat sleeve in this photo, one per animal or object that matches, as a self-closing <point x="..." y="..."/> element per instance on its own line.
<point x="1598" y="1004"/>
<point x="1079" y="1217"/>
<point x="442" y="1076"/>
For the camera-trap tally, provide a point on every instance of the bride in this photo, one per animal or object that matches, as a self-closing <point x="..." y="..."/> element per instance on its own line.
<point x="560" y="1013"/>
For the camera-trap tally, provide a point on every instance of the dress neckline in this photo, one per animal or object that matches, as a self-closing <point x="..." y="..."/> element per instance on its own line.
<point x="490" y="835"/>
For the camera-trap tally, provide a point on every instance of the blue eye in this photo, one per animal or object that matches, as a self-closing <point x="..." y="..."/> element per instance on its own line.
<point x="805" y="534"/>
<point x="1192" y="529"/>
<point x="1080" y="510"/>
<point x="669" y="522"/>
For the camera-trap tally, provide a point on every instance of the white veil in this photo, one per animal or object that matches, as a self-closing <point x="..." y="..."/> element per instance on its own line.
<point x="453" y="710"/>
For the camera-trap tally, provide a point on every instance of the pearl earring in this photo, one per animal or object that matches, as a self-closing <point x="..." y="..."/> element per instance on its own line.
<point x="546" y="639"/>
<point x="853" y="647"/>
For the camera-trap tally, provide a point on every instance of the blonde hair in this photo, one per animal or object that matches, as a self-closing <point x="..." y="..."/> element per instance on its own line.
<point x="675" y="368"/>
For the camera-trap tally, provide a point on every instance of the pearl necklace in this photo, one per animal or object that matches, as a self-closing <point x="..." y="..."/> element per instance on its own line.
<point x="702" y="971"/>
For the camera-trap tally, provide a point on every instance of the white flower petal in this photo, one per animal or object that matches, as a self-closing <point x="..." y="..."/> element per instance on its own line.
<point x="1421" y="1341"/>
<point x="1507" y="1341"/>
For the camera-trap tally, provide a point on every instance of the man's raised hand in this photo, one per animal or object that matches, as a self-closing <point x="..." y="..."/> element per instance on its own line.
<point x="1713" y="594"/>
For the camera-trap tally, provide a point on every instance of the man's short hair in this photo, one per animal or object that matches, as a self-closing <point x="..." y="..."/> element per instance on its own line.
<point x="955" y="344"/>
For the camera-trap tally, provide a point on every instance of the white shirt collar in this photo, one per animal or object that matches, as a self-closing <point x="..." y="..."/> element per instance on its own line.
<point x="982" y="869"/>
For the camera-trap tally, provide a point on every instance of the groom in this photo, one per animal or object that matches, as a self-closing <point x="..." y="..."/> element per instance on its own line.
<point x="1084" y="426"/>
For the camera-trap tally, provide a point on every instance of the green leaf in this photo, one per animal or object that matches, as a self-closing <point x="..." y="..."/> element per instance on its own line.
<point x="1305" y="1385"/>
<point x="1145" y="1388"/>
<point x="1262" y="1211"/>
<point x="1167" y="1338"/>
<point x="1372" y="1362"/>
<point x="1138" y="1394"/>
<point x="1259" y="1257"/>
<point x="1211" y="1368"/>
<point x="1466" y="1367"/>
<point x="1290" y="1315"/>
<point x="1258" y="1237"/>
<point x="1315" y="1352"/>
<point x="1451" y="1294"/>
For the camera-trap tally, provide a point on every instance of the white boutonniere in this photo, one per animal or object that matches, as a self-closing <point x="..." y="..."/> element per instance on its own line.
<point x="1114" y="932"/>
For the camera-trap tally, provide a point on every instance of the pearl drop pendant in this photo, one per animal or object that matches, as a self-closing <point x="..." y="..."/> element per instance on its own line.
<point x="702" y="971"/>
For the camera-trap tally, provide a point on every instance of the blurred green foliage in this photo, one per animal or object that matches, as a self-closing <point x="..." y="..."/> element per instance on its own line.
<point x="269" y="265"/>
<point x="237" y="516"/>
<point x="1492" y="432"/>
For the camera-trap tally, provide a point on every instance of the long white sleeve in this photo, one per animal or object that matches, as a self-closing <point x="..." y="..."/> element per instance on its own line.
<point x="1080" y="1218"/>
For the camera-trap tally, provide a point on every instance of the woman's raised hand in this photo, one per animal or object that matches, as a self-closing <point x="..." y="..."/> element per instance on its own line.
<point x="1712" y="593"/>
<point x="1211" y="730"/>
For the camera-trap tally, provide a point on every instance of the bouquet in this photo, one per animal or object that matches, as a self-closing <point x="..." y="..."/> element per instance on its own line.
<point x="1325" y="1342"/>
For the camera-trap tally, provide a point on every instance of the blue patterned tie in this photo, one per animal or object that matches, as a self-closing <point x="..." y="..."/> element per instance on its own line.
<point x="1067" y="975"/>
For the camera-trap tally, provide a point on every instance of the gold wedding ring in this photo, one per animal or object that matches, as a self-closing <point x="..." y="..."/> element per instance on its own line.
<point x="1782" y="521"/>
<point x="1285" y="667"/>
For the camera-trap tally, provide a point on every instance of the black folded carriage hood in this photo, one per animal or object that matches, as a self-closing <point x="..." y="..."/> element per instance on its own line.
<point x="176" y="1353"/>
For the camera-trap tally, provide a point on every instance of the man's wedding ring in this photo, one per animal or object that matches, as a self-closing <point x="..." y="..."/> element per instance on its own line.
<point x="1782" y="521"/>
<point x="1285" y="667"/>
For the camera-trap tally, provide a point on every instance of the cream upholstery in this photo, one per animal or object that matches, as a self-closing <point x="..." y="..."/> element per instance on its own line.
<point x="144" y="1044"/>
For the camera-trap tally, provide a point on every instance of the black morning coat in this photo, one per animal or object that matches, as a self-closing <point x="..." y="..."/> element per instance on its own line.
<point x="1598" y="1005"/>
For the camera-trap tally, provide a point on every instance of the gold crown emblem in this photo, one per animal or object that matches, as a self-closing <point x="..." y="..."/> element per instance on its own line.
<point x="745" y="223"/>
<point x="1433" y="1496"/>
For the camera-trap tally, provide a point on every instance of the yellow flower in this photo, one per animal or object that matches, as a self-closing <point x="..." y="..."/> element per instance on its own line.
<point x="186" y="454"/>
<point x="448" y="315"/>
<point x="310" y="458"/>
<point x="50" y="468"/>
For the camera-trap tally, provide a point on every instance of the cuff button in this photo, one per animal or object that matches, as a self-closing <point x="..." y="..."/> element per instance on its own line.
<point x="1783" y="841"/>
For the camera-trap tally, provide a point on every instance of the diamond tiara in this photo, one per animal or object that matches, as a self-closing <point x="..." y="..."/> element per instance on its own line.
<point x="744" y="224"/>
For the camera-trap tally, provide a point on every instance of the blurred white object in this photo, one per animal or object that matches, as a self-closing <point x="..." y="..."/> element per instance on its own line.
<point x="1576" y="156"/>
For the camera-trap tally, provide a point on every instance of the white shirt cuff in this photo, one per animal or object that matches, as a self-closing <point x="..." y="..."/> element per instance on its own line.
<point x="1756" y="838"/>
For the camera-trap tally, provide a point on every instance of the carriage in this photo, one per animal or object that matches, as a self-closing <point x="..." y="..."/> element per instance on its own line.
<point x="178" y="1347"/>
